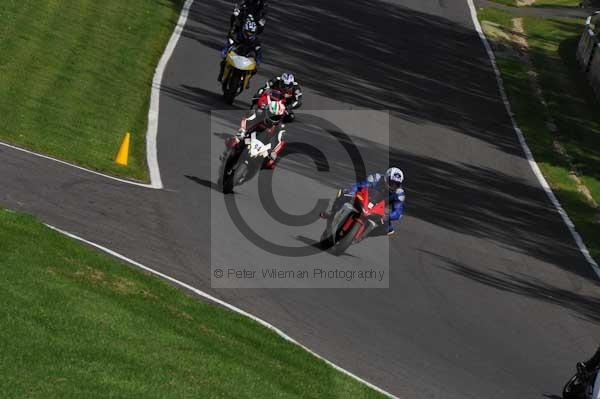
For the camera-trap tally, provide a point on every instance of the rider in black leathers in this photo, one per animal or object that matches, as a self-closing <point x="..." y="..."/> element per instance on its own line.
<point x="241" y="11"/>
<point x="269" y="120"/>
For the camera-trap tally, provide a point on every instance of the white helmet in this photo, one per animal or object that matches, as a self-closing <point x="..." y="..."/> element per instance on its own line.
<point x="288" y="79"/>
<point x="394" y="178"/>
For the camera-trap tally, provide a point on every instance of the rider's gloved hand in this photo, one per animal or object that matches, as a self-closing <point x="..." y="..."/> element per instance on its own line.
<point x="241" y="133"/>
<point x="348" y="192"/>
<point x="273" y="156"/>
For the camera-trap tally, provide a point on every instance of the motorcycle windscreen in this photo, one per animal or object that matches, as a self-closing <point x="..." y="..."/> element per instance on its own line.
<point x="377" y="195"/>
<point x="241" y="63"/>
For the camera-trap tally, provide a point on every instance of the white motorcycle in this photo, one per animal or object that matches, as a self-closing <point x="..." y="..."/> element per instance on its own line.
<point x="583" y="385"/>
<point x="243" y="159"/>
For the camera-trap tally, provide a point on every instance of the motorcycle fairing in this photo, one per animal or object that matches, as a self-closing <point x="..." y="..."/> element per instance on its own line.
<point x="256" y="147"/>
<point x="340" y="217"/>
<point x="240" y="62"/>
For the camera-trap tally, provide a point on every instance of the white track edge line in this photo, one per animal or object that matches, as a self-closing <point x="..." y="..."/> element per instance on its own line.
<point x="152" y="133"/>
<point x="534" y="166"/>
<point x="224" y="304"/>
<point x="14" y="147"/>
<point x="153" y="113"/>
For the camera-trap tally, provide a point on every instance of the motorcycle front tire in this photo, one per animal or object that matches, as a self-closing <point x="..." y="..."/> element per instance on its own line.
<point x="344" y="243"/>
<point x="574" y="388"/>
<point x="231" y="86"/>
<point x="229" y="169"/>
<point x="326" y="240"/>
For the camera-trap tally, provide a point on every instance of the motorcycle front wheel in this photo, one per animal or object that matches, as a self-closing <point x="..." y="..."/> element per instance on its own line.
<point x="241" y="172"/>
<point x="326" y="241"/>
<point x="229" y="169"/>
<point x="231" y="86"/>
<point x="344" y="242"/>
<point x="574" y="388"/>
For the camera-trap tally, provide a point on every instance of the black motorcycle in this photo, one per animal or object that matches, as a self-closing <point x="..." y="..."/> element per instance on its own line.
<point x="583" y="385"/>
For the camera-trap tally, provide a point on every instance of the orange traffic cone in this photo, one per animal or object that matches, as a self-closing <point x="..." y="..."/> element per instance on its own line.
<point x="123" y="154"/>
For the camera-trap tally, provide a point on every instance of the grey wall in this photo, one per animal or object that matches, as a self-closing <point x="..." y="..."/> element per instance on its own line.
<point x="588" y="55"/>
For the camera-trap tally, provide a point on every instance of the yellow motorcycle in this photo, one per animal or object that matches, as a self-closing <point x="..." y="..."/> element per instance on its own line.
<point x="239" y="68"/>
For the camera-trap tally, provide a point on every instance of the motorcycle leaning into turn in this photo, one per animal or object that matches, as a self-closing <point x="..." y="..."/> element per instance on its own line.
<point x="354" y="219"/>
<point x="583" y="385"/>
<point x="256" y="146"/>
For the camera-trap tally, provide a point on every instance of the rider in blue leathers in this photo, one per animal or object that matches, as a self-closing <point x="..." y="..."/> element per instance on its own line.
<point x="390" y="183"/>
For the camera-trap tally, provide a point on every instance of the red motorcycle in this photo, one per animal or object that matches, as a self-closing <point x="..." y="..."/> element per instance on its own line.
<point x="348" y="225"/>
<point x="271" y="94"/>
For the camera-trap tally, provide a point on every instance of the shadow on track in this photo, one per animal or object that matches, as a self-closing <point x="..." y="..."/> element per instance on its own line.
<point x="422" y="67"/>
<point x="460" y="197"/>
<point x="200" y="99"/>
<point x="426" y="70"/>
<point x="585" y="306"/>
<point x="204" y="182"/>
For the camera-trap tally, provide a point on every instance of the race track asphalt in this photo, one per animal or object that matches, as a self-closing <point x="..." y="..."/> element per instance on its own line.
<point x="488" y="294"/>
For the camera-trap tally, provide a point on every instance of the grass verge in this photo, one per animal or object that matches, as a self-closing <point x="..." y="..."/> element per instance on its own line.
<point x="75" y="76"/>
<point x="76" y="323"/>
<point x="540" y="3"/>
<point x="512" y="3"/>
<point x="557" y="3"/>
<point x="570" y="156"/>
